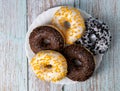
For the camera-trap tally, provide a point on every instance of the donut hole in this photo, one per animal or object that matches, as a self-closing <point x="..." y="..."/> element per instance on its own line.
<point x="76" y="62"/>
<point x="93" y="37"/>
<point x="45" y="42"/>
<point x="49" y="66"/>
<point x="66" y="24"/>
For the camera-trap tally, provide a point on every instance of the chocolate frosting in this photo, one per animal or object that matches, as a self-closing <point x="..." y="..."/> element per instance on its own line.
<point x="80" y="61"/>
<point x="46" y="38"/>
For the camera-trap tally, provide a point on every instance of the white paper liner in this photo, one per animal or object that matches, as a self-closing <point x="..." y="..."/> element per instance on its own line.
<point x="44" y="19"/>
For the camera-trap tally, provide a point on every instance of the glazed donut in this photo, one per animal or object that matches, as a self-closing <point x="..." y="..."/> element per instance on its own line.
<point x="97" y="36"/>
<point x="49" y="65"/>
<point x="81" y="63"/>
<point x="46" y="38"/>
<point x="70" y="22"/>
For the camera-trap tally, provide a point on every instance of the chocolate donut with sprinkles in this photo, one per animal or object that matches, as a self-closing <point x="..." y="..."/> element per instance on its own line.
<point x="97" y="36"/>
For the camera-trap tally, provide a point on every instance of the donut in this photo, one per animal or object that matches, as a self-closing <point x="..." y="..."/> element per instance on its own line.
<point x="70" y="22"/>
<point x="49" y="65"/>
<point x="81" y="63"/>
<point x="97" y="36"/>
<point x="46" y="38"/>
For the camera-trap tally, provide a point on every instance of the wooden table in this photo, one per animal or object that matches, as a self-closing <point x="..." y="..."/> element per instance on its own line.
<point x="15" y="18"/>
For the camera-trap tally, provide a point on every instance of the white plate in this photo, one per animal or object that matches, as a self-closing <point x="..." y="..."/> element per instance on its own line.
<point x="43" y="19"/>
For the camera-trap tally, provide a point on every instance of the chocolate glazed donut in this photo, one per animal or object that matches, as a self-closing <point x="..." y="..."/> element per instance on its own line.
<point x="80" y="61"/>
<point x="46" y="38"/>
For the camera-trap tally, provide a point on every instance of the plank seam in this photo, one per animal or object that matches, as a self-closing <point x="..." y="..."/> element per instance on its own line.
<point x="26" y="32"/>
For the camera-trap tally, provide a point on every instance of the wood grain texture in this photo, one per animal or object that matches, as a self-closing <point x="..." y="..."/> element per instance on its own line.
<point x="107" y="76"/>
<point x="15" y="72"/>
<point x="13" y="63"/>
<point x="35" y="7"/>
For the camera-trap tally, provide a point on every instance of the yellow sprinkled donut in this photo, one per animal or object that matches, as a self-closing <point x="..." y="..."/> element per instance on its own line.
<point x="49" y="65"/>
<point x="70" y="22"/>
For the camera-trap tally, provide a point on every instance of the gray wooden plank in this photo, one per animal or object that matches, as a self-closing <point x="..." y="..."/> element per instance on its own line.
<point x="105" y="78"/>
<point x="35" y="7"/>
<point x="13" y="63"/>
<point x="69" y="3"/>
<point x="116" y="44"/>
